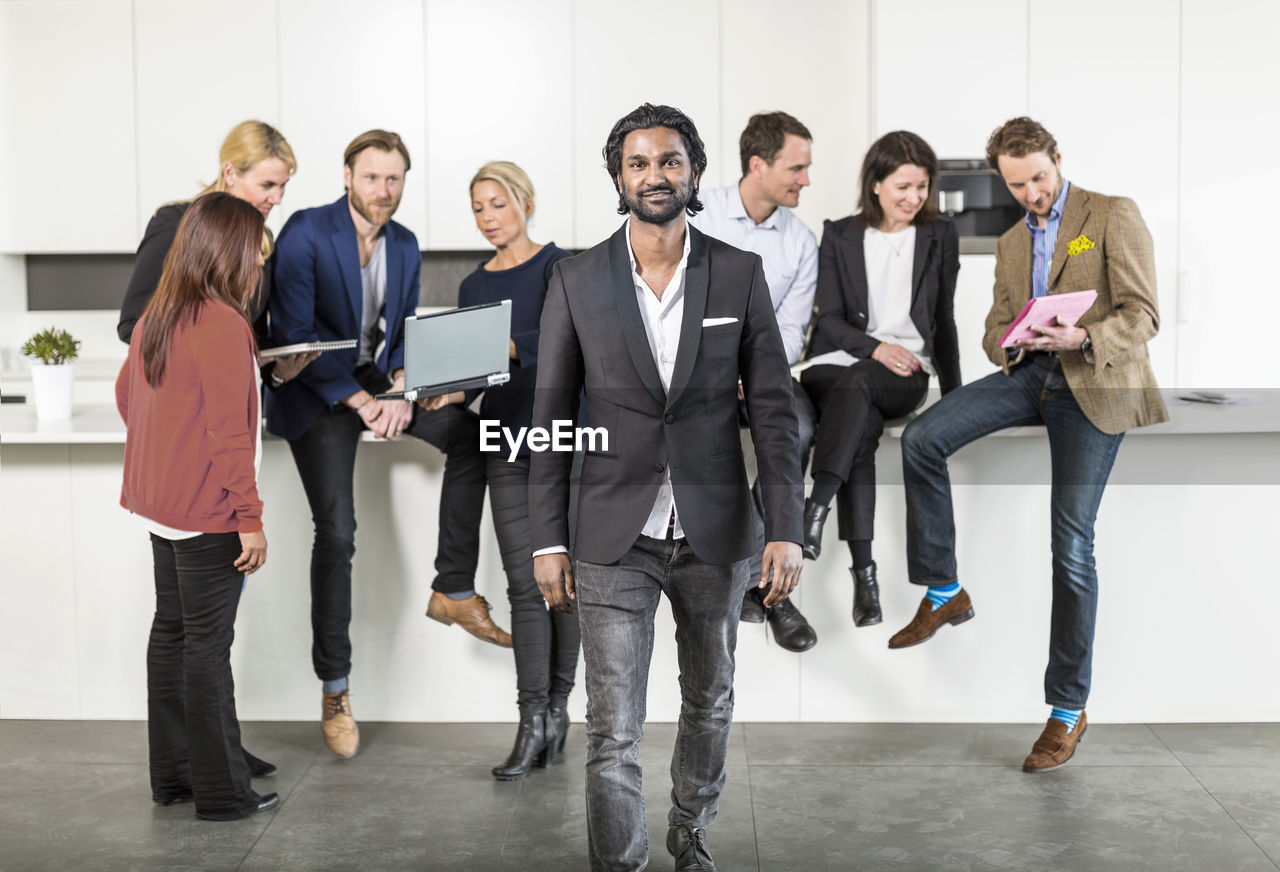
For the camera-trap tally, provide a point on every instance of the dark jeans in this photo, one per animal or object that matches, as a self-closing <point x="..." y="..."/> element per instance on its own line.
<point x="616" y="606"/>
<point x="804" y="438"/>
<point x="1035" y="392"/>
<point x="326" y="458"/>
<point x="545" y="642"/>
<point x="853" y="403"/>
<point x="192" y="730"/>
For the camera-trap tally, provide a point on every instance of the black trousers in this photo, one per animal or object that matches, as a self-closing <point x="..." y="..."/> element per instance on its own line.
<point x="192" y="730"/>
<point x="545" y="642"/>
<point x="853" y="403"/>
<point x="326" y="458"/>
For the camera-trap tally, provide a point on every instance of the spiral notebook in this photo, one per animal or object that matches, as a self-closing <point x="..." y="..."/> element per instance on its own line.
<point x="304" y="347"/>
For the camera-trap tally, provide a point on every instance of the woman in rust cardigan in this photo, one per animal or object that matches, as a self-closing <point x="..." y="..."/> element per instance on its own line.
<point x="188" y="394"/>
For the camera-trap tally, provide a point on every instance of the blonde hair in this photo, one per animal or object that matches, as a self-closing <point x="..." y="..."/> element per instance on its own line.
<point x="250" y="143"/>
<point x="511" y="178"/>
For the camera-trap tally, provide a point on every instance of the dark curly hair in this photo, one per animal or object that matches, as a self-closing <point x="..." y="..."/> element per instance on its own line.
<point x="646" y="117"/>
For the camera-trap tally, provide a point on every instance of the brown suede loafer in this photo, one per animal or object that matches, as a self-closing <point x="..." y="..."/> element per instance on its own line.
<point x="1055" y="745"/>
<point x="956" y="610"/>
<point x="472" y="614"/>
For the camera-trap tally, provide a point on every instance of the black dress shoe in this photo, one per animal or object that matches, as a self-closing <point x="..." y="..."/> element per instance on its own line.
<point x="790" y="629"/>
<point x="752" y="607"/>
<point x="689" y="846"/>
<point x="271" y="800"/>
<point x="172" y="798"/>
<point x="258" y="768"/>
<point x="866" y="597"/>
<point x="530" y="748"/>
<point x="814" y="517"/>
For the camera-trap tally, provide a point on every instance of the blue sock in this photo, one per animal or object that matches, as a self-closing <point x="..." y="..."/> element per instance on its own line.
<point x="461" y="594"/>
<point x="940" y="594"/>
<point x="335" y="685"/>
<point x="1068" y="716"/>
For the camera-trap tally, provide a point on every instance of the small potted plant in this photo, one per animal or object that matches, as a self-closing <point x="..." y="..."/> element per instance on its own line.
<point x="51" y="352"/>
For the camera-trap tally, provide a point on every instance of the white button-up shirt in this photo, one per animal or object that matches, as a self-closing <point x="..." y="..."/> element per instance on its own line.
<point x="789" y="252"/>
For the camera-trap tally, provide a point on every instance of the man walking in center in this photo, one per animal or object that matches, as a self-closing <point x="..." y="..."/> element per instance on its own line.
<point x="658" y="324"/>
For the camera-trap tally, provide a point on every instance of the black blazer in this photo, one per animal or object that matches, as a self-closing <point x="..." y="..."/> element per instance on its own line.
<point x="842" y="294"/>
<point x="593" y="337"/>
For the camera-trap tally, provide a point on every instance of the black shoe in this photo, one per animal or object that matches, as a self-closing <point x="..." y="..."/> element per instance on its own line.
<point x="752" y="607"/>
<point x="271" y="800"/>
<point x="258" y="768"/>
<point x="557" y="731"/>
<point x="172" y="798"/>
<point x="866" y="597"/>
<point x="689" y="846"/>
<point x="530" y="748"/>
<point x="814" y="517"/>
<point x="790" y="629"/>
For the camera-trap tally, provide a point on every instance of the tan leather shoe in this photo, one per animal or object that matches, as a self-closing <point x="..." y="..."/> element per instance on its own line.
<point x="340" y="731"/>
<point x="1055" y="745"/>
<point x="472" y="614"/>
<point x="956" y="610"/>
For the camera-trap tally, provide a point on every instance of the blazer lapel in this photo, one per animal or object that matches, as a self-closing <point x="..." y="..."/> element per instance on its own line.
<point x="1074" y="213"/>
<point x="696" y="281"/>
<point x="851" y="246"/>
<point x="925" y="240"/>
<point x="624" y="294"/>
<point x="348" y="254"/>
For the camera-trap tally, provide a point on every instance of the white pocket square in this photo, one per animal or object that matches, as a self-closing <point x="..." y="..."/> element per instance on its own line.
<point x="716" y="322"/>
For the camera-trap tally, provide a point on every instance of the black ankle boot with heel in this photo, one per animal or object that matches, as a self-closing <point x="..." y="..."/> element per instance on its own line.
<point x="530" y="748"/>
<point x="866" y="597"/>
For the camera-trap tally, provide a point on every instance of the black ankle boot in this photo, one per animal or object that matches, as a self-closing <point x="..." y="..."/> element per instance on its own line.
<point x="814" y="517"/>
<point x="866" y="597"/>
<point x="557" y="731"/>
<point x="530" y="746"/>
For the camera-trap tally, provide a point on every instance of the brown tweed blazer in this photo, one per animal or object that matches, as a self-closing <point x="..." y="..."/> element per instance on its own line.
<point x="1102" y="245"/>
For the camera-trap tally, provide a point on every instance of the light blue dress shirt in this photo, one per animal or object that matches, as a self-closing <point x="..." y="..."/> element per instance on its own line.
<point x="1043" y="239"/>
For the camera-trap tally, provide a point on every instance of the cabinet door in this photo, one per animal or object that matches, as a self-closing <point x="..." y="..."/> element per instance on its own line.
<point x="828" y="92"/>
<point x="347" y="67"/>
<point x="197" y="79"/>
<point x="667" y="52"/>
<point x="499" y="87"/>
<point x="1230" y="124"/>
<point x="67" y="142"/>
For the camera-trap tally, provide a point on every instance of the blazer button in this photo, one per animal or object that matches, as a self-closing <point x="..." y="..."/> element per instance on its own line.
<point x="670" y="419"/>
<point x="658" y="467"/>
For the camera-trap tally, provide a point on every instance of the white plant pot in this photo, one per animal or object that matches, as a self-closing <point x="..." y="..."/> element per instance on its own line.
<point x="52" y="382"/>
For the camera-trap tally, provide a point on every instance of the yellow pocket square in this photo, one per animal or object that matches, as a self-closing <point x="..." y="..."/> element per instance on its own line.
<point x="1079" y="245"/>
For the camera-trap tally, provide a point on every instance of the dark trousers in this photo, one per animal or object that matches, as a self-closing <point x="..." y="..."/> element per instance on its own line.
<point x="805" y="416"/>
<point x="853" y="403"/>
<point x="616" y="606"/>
<point x="326" y="458"/>
<point x="192" y="730"/>
<point x="1081" y="456"/>
<point x="545" y="642"/>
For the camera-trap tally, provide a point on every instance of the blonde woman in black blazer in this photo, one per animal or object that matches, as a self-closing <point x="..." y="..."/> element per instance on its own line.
<point x="886" y="282"/>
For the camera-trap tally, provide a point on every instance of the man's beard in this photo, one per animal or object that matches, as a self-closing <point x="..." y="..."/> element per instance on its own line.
<point x="363" y="210"/>
<point x="659" y="213"/>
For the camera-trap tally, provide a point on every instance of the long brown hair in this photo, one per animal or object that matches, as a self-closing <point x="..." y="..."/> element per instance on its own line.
<point x="213" y="257"/>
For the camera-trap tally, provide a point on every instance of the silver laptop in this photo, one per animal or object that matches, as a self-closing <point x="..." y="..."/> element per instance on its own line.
<point x="455" y="351"/>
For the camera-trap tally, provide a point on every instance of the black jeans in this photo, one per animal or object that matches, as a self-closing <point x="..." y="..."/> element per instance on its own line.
<point x="545" y="642"/>
<point x="326" y="458"/>
<point x="853" y="403"/>
<point x="192" y="730"/>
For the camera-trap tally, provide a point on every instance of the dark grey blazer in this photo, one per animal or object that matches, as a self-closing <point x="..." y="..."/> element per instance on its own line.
<point x="593" y="337"/>
<point x="842" y="294"/>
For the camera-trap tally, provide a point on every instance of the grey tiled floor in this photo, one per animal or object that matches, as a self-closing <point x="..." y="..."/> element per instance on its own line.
<point x="1203" y="797"/>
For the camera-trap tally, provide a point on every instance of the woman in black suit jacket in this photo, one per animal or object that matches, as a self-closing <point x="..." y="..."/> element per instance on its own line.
<point x="886" y="282"/>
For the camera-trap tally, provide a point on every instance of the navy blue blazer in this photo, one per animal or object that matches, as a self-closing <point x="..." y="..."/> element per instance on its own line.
<point x="318" y="295"/>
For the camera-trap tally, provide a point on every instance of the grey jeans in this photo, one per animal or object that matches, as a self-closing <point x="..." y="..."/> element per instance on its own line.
<point x="616" y="607"/>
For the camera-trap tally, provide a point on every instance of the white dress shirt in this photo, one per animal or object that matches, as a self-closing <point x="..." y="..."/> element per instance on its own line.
<point x="889" y="258"/>
<point x="789" y="252"/>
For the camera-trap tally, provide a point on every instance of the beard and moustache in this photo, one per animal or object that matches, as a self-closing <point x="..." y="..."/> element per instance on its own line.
<point x="362" y="208"/>
<point x="659" y="213"/>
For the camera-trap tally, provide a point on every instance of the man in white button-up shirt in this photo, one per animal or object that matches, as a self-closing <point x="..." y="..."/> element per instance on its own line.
<point x="658" y="324"/>
<point x="755" y="215"/>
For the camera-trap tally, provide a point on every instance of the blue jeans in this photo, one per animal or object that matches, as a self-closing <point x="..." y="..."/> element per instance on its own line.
<point x="616" y="606"/>
<point x="1081" y="456"/>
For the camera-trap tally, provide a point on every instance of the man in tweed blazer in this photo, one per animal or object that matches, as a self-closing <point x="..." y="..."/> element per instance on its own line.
<point x="1086" y="383"/>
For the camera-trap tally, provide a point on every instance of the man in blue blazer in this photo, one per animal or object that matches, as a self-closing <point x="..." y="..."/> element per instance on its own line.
<point x="347" y="271"/>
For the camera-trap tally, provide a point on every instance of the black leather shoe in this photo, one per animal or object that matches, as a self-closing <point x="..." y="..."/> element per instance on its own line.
<point x="271" y="800"/>
<point x="530" y="748"/>
<point x="790" y="629"/>
<point x="557" y="731"/>
<point x="814" y="517"/>
<point x="258" y="768"/>
<point x="866" y="597"/>
<point x="689" y="846"/>
<point x="752" y="607"/>
<point x="172" y="798"/>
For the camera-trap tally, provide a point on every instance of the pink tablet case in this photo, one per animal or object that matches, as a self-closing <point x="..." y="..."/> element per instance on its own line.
<point x="1042" y="311"/>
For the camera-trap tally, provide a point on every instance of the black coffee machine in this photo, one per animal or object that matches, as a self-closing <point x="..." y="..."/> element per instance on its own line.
<point x="975" y="197"/>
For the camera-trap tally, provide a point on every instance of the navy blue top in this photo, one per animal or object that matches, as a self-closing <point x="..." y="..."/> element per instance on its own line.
<point x="525" y="286"/>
